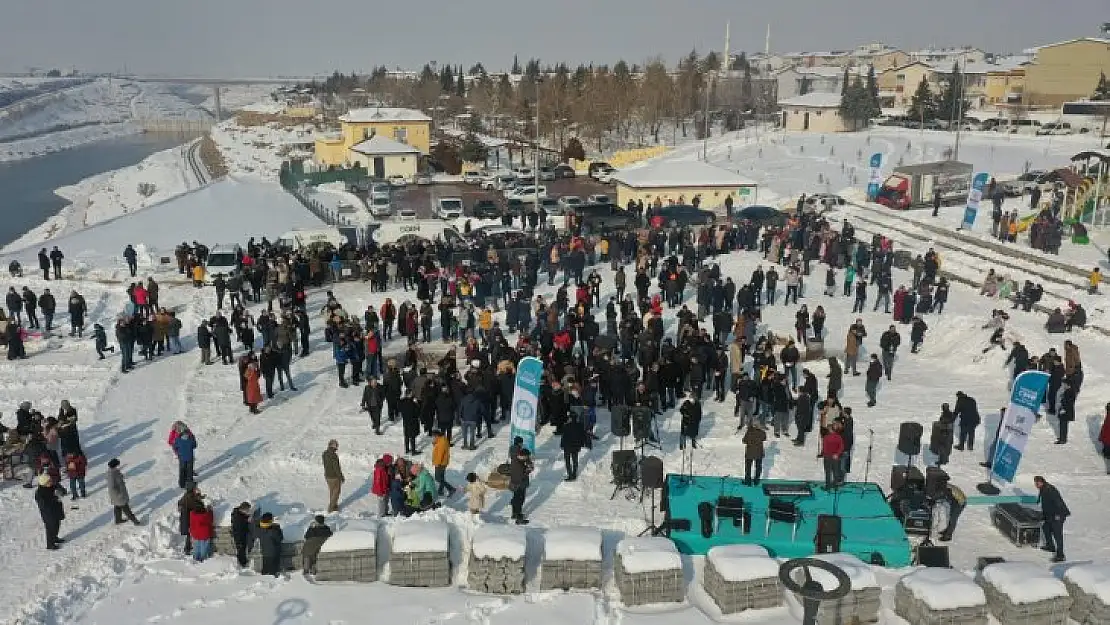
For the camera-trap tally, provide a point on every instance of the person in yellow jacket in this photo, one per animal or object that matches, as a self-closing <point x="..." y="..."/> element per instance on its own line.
<point x="1013" y="231"/>
<point x="198" y="275"/>
<point x="441" y="457"/>
<point x="1093" y="280"/>
<point x="603" y="249"/>
<point x="485" y="324"/>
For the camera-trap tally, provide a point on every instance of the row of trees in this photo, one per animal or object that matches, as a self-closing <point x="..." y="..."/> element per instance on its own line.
<point x="949" y="103"/>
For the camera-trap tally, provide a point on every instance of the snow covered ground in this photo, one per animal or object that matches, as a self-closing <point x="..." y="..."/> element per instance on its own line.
<point x="260" y="150"/>
<point x="108" y="574"/>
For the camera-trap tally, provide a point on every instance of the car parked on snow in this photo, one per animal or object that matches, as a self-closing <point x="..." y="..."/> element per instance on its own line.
<point x="685" y="215"/>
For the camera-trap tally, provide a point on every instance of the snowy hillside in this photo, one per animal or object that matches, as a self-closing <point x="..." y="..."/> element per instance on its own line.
<point x="109" y="574"/>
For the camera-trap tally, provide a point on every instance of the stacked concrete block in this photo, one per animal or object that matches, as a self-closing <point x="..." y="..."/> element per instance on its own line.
<point x="571" y="559"/>
<point x="420" y="554"/>
<point x="860" y="605"/>
<point x="936" y="596"/>
<point x="649" y="570"/>
<point x="293" y="527"/>
<point x="350" y="555"/>
<point x="497" y="560"/>
<point x="222" y="541"/>
<point x="742" y="577"/>
<point x="1020" y="592"/>
<point x="1089" y="587"/>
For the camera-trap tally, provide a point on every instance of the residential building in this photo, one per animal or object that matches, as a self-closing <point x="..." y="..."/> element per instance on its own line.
<point x="813" y="112"/>
<point x="878" y="55"/>
<point x="1000" y="82"/>
<point x="943" y="58"/>
<point x="407" y="126"/>
<point x="679" y="182"/>
<point x="762" y="63"/>
<point x="897" y="85"/>
<point x="820" y="79"/>
<point x="383" y="157"/>
<point x="835" y="58"/>
<point x="1065" y="71"/>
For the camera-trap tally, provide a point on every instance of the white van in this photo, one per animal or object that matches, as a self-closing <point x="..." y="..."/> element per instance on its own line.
<point x="448" y="207"/>
<point x="301" y="238"/>
<point x="1018" y="126"/>
<point x="400" y="232"/>
<point x="223" y="260"/>
<point x="381" y="207"/>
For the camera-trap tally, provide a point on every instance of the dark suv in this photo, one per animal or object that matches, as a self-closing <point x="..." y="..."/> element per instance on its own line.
<point x="597" y="217"/>
<point x="485" y="209"/>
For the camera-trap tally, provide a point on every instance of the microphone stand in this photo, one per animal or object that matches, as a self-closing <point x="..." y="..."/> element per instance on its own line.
<point x="867" y="467"/>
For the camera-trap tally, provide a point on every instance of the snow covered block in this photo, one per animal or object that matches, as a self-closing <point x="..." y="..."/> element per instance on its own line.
<point x="571" y="559"/>
<point x="861" y="604"/>
<point x="497" y="559"/>
<point x="350" y="555"/>
<point x="738" y="578"/>
<point x="1020" y="592"/>
<point x="936" y="596"/>
<point x="1089" y="587"/>
<point x="420" y="554"/>
<point x="649" y="570"/>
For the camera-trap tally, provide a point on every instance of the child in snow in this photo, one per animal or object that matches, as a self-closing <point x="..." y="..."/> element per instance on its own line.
<point x="201" y="522"/>
<point x="76" y="464"/>
<point x="476" y="491"/>
<point x="101" y="341"/>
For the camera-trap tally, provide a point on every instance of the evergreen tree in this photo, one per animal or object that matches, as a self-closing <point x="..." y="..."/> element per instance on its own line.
<point x="922" y="105"/>
<point x="574" y="150"/>
<point x="873" y="92"/>
<point x="460" y="86"/>
<point x="1102" y="90"/>
<point x="516" y="66"/>
<point x="845" y="84"/>
<point x="446" y="80"/>
<point x="951" y="101"/>
<point x="473" y="150"/>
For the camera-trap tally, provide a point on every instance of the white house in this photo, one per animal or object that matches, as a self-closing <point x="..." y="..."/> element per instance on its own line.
<point x="812" y="112"/>
<point x="383" y="157"/>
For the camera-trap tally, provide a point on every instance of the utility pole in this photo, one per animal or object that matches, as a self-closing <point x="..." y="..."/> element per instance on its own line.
<point x="960" y="110"/>
<point x="536" y="152"/>
<point x="705" y="119"/>
<point x="767" y="42"/>
<point x="727" y="59"/>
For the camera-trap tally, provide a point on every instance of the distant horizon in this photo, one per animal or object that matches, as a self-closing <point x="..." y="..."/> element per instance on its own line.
<point x="212" y="38"/>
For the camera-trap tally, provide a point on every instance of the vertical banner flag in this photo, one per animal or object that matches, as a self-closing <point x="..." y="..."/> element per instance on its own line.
<point x="973" y="197"/>
<point x="875" y="180"/>
<point x="1025" y="403"/>
<point x="526" y="398"/>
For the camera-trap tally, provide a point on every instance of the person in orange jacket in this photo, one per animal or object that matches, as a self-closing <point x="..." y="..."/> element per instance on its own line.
<point x="441" y="457"/>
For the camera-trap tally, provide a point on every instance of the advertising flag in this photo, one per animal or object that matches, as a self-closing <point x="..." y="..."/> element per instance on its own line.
<point x="875" y="181"/>
<point x="1013" y="434"/>
<point x="526" y="399"/>
<point x="978" y="183"/>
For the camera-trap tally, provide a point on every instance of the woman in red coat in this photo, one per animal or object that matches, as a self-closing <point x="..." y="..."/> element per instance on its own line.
<point x="1104" y="438"/>
<point x="201" y="524"/>
<point x="254" y="392"/>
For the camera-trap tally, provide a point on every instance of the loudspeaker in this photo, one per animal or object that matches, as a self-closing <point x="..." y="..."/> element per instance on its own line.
<point x="705" y="514"/>
<point x="730" y="507"/>
<point x="909" y="438"/>
<point x="784" y="511"/>
<point x="679" y="525"/>
<point x="828" y="533"/>
<point x="940" y="441"/>
<point x="641" y="423"/>
<point x="624" y="467"/>
<point x="619" y="421"/>
<point x="902" y="476"/>
<point x="651" y="472"/>
<point x="935" y="556"/>
<point x="936" y="481"/>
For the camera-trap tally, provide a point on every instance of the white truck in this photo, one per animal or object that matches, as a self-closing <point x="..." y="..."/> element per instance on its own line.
<point x="302" y="238"/>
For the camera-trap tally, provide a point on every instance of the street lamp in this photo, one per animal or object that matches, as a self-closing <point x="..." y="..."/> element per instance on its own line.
<point x="536" y="154"/>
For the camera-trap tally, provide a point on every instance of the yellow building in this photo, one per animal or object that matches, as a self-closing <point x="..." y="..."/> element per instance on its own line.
<point x="680" y="182"/>
<point x="407" y="126"/>
<point x="1066" y="71"/>
<point x="813" y="112"/>
<point x="901" y="82"/>
<point x="1005" y="86"/>
<point x="383" y="157"/>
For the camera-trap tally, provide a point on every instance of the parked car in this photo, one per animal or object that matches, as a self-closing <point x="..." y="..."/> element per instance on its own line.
<point x="407" y="214"/>
<point x="515" y="206"/>
<point x="547" y="174"/>
<point x="564" y="171"/>
<point x="500" y="182"/>
<point x="569" y="201"/>
<point x="549" y="205"/>
<point x="485" y="209"/>
<point x="381" y="206"/>
<point x="472" y="176"/>
<point x="397" y="180"/>
<point x="380" y="188"/>
<point x="685" y="215"/>
<point x="224" y="260"/>
<point x="592" y="170"/>
<point x="597" y="217"/>
<point x="423" y="179"/>
<point x="527" y="193"/>
<point x="1055" y="128"/>
<point x="599" y="198"/>
<point x="761" y="215"/>
<point x="524" y="173"/>
<point x="605" y="176"/>
<point x="449" y="207"/>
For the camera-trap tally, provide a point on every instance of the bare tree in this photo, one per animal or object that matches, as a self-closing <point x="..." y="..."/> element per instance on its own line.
<point x="656" y="97"/>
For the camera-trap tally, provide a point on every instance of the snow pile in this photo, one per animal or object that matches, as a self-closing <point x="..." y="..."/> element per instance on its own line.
<point x="742" y="577"/>
<point x="650" y="553"/>
<point x="499" y="541"/>
<point x="1021" y="592"/>
<point x="573" y="543"/>
<point x="354" y="535"/>
<point x="1089" y="587"/>
<point x="419" y="536"/>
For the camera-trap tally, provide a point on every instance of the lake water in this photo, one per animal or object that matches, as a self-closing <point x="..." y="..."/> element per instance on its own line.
<point x="27" y="187"/>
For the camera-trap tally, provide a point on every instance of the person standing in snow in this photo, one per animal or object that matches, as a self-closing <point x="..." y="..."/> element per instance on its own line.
<point x="56" y="257"/>
<point x="201" y="530"/>
<point x="520" y="468"/>
<point x="132" y="258"/>
<point x="50" y="509"/>
<point x="1055" y="512"/>
<point x="184" y="446"/>
<point x="77" y="311"/>
<point x="314" y="538"/>
<point x="270" y="539"/>
<point x="44" y="264"/>
<point x="966" y="412"/>
<point x="117" y="494"/>
<point x="333" y="474"/>
<point x="242" y="532"/>
<point x="47" y="305"/>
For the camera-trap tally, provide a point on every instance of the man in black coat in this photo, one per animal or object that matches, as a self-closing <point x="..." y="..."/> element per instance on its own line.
<point x="690" y="424"/>
<point x="270" y="538"/>
<point x="242" y="532"/>
<point x="1055" y="511"/>
<point x="47" y="305"/>
<point x="51" y="510"/>
<point x="573" y="440"/>
<point x="520" y="470"/>
<point x="44" y="264"/>
<point x="966" y="412"/>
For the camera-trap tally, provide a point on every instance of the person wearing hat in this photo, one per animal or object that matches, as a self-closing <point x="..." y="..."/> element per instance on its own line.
<point x="242" y="532"/>
<point x="117" y="494"/>
<point x="270" y="539"/>
<point x="190" y="501"/>
<point x="50" y="509"/>
<point x="333" y="474"/>
<point x="314" y="538"/>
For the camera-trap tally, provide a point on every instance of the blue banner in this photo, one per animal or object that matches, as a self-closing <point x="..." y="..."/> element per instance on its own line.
<point x="875" y="179"/>
<point x="526" y="399"/>
<point x="974" y="195"/>
<point x="1026" y="398"/>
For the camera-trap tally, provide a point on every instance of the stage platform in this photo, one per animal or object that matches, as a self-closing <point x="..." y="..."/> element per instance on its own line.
<point x="867" y="523"/>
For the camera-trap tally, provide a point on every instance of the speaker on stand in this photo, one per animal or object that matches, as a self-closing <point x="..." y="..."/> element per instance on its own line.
<point x="909" y="440"/>
<point x="619" y="423"/>
<point x="651" y="478"/>
<point x="828" y="533"/>
<point x="625" y="473"/>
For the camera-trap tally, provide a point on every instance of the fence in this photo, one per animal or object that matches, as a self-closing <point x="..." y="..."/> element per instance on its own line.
<point x="293" y="175"/>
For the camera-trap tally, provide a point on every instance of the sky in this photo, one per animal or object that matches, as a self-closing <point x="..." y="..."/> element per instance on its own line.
<point x="240" y="38"/>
